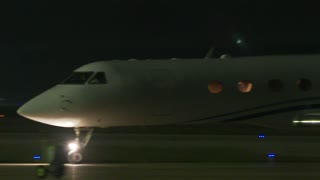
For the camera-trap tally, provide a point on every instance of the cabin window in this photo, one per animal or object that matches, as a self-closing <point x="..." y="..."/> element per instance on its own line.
<point x="245" y="86"/>
<point x="78" y="78"/>
<point x="215" y="87"/>
<point x="304" y="84"/>
<point x="98" y="78"/>
<point x="275" y="85"/>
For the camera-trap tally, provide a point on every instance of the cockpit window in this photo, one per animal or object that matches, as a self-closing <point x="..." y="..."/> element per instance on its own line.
<point x="98" y="78"/>
<point x="78" y="78"/>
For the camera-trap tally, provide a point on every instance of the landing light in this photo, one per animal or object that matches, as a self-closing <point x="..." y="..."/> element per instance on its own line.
<point x="307" y="122"/>
<point x="73" y="146"/>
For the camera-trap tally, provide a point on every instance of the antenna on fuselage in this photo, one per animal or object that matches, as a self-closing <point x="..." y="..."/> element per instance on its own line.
<point x="209" y="53"/>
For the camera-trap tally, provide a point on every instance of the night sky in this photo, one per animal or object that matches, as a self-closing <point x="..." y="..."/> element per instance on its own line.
<point x="41" y="42"/>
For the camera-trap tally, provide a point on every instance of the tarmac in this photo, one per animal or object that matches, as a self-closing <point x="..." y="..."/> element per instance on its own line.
<point x="130" y="156"/>
<point x="170" y="171"/>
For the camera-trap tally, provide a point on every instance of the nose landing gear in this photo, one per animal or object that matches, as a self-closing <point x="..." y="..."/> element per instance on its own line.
<point x="75" y="147"/>
<point x="74" y="157"/>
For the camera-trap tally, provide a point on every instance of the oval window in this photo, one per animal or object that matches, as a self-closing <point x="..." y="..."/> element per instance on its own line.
<point x="304" y="84"/>
<point x="275" y="85"/>
<point x="215" y="87"/>
<point x="245" y="86"/>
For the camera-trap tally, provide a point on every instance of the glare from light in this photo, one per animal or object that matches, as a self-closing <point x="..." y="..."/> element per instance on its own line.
<point x="73" y="146"/>
<point x="69" y="124"/>
<point x="2" y="115"/>
<point x="307" y="122"/>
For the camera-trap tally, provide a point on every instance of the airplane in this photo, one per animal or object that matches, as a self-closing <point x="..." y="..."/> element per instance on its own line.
<point x="260" y="90"/>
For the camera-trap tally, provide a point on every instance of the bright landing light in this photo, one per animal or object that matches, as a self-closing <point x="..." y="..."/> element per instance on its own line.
<point x="307" y="122"/>
<point x="73" y="146"/>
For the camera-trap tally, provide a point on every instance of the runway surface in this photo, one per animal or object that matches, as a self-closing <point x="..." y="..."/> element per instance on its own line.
<point x="161" y="156"/>
<point x="171" y="171"/>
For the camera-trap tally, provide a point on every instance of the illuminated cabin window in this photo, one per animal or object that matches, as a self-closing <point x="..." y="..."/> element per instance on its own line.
<point x="304" y="84"/>
<point x="275" y="85"/>
<point x="245" y="86"/>
<point x="215" y="87"/>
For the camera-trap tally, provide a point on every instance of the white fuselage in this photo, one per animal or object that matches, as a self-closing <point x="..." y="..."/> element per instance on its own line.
<point x="155" y="92"/>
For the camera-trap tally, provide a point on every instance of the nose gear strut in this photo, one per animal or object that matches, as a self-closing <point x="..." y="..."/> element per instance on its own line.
<point x="80" y="142"/>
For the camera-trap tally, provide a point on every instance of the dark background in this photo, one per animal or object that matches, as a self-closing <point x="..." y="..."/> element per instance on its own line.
<point x="41" y="42"/>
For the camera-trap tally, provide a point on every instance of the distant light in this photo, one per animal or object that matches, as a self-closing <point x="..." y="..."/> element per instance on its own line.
<point x="2" y="115"/>
<point x="225" y="56"/>
<point x="271" y="155"/>
<point x="239" y="41"/>
<point x="261" y="136"/>
<point x="36" y="157"/>
<point x="307" y="122"/>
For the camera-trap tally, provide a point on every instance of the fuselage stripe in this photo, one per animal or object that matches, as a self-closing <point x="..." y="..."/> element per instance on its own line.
<point x="236" y="116"/>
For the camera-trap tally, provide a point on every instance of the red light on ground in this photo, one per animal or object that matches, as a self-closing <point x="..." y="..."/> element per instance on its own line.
<point x="2" y="115"/>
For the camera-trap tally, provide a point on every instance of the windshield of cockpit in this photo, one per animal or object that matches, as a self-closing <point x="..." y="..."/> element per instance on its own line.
<point x="83" y="77"/>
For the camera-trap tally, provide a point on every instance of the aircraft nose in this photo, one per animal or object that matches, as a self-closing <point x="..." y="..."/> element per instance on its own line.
<point x="37" y="108"/>
<point x="27" y="110"/>
<point x="21" y="111"/>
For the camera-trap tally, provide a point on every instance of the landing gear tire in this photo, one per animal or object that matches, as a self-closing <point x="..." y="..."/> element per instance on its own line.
<point x="75" y="157"/>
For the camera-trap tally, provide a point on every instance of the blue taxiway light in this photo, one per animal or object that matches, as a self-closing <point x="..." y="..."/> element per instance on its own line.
<point x="272" y="155"/>
<point x="36" y="157"/>
<point x="261" y="136"/>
